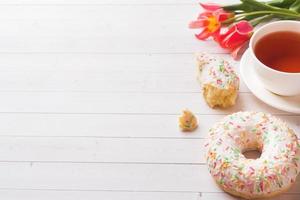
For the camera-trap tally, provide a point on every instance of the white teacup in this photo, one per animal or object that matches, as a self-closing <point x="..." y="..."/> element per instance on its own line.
<point x="282" y="83"/>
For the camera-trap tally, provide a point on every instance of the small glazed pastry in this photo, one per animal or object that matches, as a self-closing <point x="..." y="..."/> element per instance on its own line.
<point x="219" y="82"/>
<point x="188" y="121"/>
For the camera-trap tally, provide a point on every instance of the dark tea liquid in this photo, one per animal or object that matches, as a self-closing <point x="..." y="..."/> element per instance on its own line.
<point x="280" y="51"/>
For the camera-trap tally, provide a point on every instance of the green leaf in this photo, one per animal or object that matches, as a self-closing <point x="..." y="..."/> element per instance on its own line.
<point x="248" y="8"/>
<point x="295" y="6"/>
<point x="238" y="7"/>
<point x="281" y="3"/>
<point x="265" y="7"/>
<point x="259" y="5"/>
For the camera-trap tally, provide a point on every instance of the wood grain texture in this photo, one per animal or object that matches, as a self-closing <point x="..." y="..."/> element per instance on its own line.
<point x="107" y="176"/>
<point x="108" y="125"/>
<point x="95" y="195"/>
<point x="106" y="150"/>
<point x="125" y="103"/>
<point x="121" y="195"/>
<point x="117" y="195"/>
<point x="163" y="73"/>
<point x="105" y="2"/>
<point x="103" y="150"/>
<point x="90" y="93"/>
<point x="60" y="29"/>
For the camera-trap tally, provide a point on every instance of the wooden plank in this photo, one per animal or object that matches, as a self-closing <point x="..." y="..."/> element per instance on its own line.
<point x="125" y="103"/>
<point x="100" y="73"/>
<point x="214" y="196"/>
<point x="107" y="63"/>
<point x="34" y="28"/>
<point x="49" y="26"/>
<point x="109" y="125"/>
<point x="103" y="2"/>
<point x="132" y="177"/>
<point x="103" y="150"/>
<point x="224" y="196"/>
<point x="94" y="195"/>
<point x="98" y="82"/>
<point x="121" y="195"/>
<point x="129" y="14"/>
<point x="107" y="150"/>
<point x="97" y="62"/>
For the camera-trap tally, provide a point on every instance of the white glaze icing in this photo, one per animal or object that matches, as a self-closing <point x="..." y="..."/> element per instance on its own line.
<point x="217" y="72"/>
<point x="274" y="171"/>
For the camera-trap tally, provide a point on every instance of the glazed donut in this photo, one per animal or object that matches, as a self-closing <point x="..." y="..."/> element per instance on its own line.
<point x="270" y="174"/>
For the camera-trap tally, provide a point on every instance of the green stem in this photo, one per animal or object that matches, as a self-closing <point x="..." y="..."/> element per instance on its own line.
<point x="276" y="13"/>
<point x="246" y="7"/>
<point x="257" y="21"/>
<point x="285" y="14"/>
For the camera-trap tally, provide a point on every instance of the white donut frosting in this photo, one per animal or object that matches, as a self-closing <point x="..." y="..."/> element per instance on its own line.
<point x="274" y="171"/>
<point x="217" y="72"/>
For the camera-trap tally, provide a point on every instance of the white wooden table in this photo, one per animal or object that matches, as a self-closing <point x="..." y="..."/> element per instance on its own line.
<point x="90" y="92"/>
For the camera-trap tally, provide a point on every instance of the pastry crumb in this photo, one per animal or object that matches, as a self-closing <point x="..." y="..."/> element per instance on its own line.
<point x="188" y="121"/>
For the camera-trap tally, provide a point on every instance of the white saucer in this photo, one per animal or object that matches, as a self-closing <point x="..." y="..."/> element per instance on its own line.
<point x="289" y="104"/>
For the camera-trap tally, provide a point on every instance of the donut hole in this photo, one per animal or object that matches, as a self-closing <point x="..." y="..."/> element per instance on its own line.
<point x="252" y="153"/>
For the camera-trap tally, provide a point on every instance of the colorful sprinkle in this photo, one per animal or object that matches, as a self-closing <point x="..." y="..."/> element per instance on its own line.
<point x="277" y="166"/>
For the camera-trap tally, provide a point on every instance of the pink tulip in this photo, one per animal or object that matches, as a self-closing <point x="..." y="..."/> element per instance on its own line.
<point x="210" y="21"/>
<point x="210" y="6"/>
<point x="236" y="38"/>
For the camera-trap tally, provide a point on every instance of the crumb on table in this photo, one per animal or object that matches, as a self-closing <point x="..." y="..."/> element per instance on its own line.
<point x="188" y="121"/>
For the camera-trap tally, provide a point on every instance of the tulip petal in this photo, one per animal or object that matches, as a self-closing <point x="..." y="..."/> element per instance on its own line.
<point x="225" y="36"/>
<point x="244" y="27"/>
<point x="198" y="23"/>
<point x="210" y="21"/>
<point x="217" y="36"/>
<point x="210" y="6"/>
<point x="239" y="51"/>
<point x="236" y="35"/>
<point x="203" y="35"/>
<point x="205" y="15"/>
<point x="222" y="16"/>
<point x="235" y="40"/>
